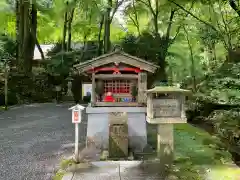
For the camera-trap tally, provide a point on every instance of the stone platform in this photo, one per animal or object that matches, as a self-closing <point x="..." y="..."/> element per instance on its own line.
<point x="98" y="126"/>
<point x="116" y="170"/>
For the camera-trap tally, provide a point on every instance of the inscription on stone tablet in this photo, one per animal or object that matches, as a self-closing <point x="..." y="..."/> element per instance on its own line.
<point x="118" y="135"/>
<point x="166" y="108"/>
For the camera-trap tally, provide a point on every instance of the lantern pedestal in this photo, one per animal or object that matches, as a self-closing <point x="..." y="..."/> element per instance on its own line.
<point x="165" y="107"/>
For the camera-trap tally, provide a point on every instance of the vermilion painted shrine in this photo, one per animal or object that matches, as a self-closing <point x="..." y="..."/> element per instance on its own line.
<point x="118" y="113"/>
<point x="119" y="72"/>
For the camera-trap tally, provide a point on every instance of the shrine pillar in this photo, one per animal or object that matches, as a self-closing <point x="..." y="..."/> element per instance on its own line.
<point x="93" y="95"/>
<point x="142" y="87"/>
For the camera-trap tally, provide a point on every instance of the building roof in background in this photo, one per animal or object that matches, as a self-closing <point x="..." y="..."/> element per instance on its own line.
<point x="45" y="49"/>
<point x="48" y="47"/>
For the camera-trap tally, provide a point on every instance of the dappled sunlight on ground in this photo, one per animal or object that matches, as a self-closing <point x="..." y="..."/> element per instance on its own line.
<point x="224" y="173"/>
<point x="197" y="156"/>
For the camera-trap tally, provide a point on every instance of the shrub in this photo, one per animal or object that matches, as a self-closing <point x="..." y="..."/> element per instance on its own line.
<point x="28" y="89"/>
<point x="77" y="89"/>
<point x="87" y="99"/>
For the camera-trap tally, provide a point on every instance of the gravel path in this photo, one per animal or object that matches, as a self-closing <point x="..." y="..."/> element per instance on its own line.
<point x="33" y="139"/>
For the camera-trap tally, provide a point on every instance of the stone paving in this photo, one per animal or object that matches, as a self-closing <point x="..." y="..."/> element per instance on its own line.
<point x="116" y="170"/>
<point x="33" y="140"/>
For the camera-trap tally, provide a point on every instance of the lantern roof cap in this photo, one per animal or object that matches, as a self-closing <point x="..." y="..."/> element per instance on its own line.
<point x="168" y="89"/>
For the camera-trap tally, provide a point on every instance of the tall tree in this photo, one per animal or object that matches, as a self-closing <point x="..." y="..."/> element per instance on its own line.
<point x="26" y="34"/>
<point x="108" y="18"/>
<point x="27" y="25"/>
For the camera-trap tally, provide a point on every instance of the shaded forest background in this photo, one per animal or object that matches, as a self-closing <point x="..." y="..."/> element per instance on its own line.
<point x="195" y="43"/>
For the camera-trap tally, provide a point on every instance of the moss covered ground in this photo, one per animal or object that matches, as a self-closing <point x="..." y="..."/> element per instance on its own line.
<point x="197" y="155"/>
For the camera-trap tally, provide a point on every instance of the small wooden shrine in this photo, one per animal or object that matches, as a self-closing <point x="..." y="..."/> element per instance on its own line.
<point x="117" y="113"/>
<point x="119" y="74"/>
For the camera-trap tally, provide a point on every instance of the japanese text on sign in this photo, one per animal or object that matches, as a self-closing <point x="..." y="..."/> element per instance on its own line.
<point x="76" y="116"/>
<point x="166" y="108"/>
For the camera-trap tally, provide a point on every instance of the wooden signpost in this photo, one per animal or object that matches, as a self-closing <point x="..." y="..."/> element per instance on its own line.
<point x="165" y="107"/>
<point x="76" y="119"/>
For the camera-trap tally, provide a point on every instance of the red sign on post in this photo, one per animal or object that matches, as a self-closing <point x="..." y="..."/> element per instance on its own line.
<point x="76" y="117"/>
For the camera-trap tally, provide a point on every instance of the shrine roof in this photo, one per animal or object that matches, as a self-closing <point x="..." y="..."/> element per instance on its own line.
<point x="116" y="57"/>
<point x="168" y="89"/>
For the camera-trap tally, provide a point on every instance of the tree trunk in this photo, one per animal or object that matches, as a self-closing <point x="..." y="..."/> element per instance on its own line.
<point x="6" y="85"/>
<point x="161" y="74"/>
<point x="17" y="12"/>
<point x="32" y="34"/>
<point x="64" y="31"/>
<point x="70" y="30"/>
<point x="107" y="23"/>
<point x="40" y="49"/>
<point x="20" y="62"/>
<point x="192" y="62"/>
<point x="234" y="6"/>
<point x="136" y="21"/>
<point x="84" y="48"/>
<point x="100" y="35"/>
<point x="155" y="23"/>
<point x="26" y="38"/>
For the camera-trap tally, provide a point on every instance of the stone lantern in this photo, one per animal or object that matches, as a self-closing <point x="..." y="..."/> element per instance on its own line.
<point x="165" y="107"/>
<point x="69" y="94"/>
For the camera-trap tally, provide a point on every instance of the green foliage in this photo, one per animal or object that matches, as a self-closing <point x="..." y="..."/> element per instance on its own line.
<point x="60" y="62"/>
<point x="217" y="105"/>
<point x="77" y="88"/>
<point x="8" y="45"/>
<point x="222" y="87"/>
<point x="86" y="99"/>
<point x="7" y="50"/>
<point x="227" y="126"/>
<point x="208" y="36"/>
<point x="145" y="46"/>
<point x="30" y="89"/>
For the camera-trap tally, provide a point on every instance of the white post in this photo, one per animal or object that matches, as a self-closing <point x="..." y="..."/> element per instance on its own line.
<point x="76" y="119"/>
<point x="76" y="143"/>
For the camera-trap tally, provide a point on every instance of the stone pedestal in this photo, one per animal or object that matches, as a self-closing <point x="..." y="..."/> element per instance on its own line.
<point x="118" y="135"/>
<point x="99" y="121"/>
<point x="165" y="146"/>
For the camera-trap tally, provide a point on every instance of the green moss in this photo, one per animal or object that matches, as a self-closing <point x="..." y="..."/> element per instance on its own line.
<point x="226" y="173"/>
<point x="2" y="108"/>
<point x="59" y="175"/>
<point x="195" y="151"/>
<point x="65" y="163"/>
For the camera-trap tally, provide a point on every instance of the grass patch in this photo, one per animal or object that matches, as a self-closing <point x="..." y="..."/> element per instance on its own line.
<point x="2" y="108"/>
<point x="225" y="173"/>
<point x="59" y="175"/>
<point x="198" y="146"/>
<point x="64" y="164"/>
<point x="196" y="151"/>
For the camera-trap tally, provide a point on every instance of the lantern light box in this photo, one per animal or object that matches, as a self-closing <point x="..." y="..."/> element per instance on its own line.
<point x="165" y="104"/>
